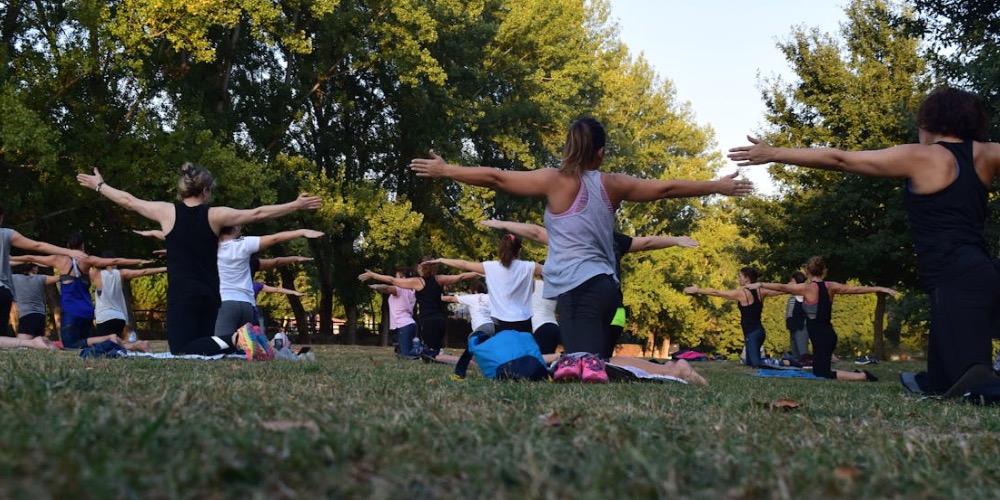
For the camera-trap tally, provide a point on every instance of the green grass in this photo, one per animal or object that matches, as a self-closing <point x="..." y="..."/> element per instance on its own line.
<point x="359" y="423"/>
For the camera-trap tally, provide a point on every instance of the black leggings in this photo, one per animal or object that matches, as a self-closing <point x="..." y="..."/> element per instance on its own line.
<point x="6" y="299"/>
<point x="547" y="337"/>
<point x="432" y="331"/>
<point x="191" y="325"/>
<point x="109" y="327"/>
<point x="585" y="314"/>
<point x="824" y="342"/>
<point x="518" y="326"/>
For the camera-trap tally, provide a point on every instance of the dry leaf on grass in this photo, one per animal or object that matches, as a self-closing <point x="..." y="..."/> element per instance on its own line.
<point x="375" y="362"/>
<point x="780" y="404"/>
<point x="846" y="472"/>
<point x="551" y="419"/>
<point x="290" y="425"/>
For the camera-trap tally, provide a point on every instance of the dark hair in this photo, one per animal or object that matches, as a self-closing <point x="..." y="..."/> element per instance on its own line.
<point x="426" y="271"/>
<point x="74" y="241"/>
<point x="477" y="287"/>
<point x="27" y="267"/>
<point x="1" y="211"/>
<point x="799" y="277"/>
<point x="510" y="249"/>
<point x="227" y="230"/>
<point x="254" y="264"/>
<point x="750" y="274"/>
<point x="954" y="112"/>
<point x="194" y="181"/>
<point x="585" y="138"/>
<point x="815" y="266"/>
<point x="407" y="272"/>
<point x="108" y="254"/>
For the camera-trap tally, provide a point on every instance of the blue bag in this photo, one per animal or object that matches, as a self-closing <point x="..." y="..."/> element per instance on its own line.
<point x="506" y="355"/>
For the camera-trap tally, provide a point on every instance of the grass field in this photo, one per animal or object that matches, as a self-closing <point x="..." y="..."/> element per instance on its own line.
<point x="358" y="423"/>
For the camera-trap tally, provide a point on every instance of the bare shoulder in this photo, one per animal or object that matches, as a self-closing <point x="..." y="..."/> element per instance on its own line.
<point x="987" y="154"/>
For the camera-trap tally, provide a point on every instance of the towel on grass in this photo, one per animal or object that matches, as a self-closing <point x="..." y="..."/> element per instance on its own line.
<point x="630" y="373"/>
<point x="787" y="374"/>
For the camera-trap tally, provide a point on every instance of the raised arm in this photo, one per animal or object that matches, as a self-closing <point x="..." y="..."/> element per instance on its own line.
<point x="726" y="294"/>
<point x="415" y="284"/>
<point x="151" y="233"/>
<point x="31" y="245"/>
<point x="898" y="161"/>
<point x="796" y="289"/>
<point x="475" y="267"/>
<point x="220" y="217"/>
<point x="285" y="291"/>
<point x="278" y="238"/>
<point x="117" y="261"/>
<point x="647" y="243"/>
<point x="42" y="260"/>
<point x="840" y="288"/>
<point x="518" y="183"/>
<point x="386" y="289"/>
<point x="451" y="279"/>
<point x="268" y="264"/>
<point x="158" y="211"/>
<point x="532" y="232"/>
<point x="623" y="187"/>
<point x="128" y="274"/>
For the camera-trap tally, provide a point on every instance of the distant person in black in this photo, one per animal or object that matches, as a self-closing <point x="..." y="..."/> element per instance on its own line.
<point x="751" y="305"/>
<point x="795" y="320"/>
<point x="948" y="175"/>
<point x="192" y="233"/>
<point x="429" y="287"/>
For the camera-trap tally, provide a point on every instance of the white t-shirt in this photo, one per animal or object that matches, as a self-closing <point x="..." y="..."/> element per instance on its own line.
<point x="510" y="289"/>
<point x="479" y="308"/>
<point x="542" y="310"/>
<point x="235" y="279"/>
<point x="110" y="303"/>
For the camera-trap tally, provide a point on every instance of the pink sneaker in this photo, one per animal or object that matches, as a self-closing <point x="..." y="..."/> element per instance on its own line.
<point x="568" y="369"/>
<point x="592" y="370"/>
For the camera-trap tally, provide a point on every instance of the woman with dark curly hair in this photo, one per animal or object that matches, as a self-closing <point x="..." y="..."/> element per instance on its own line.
<point x="948" y="175"/>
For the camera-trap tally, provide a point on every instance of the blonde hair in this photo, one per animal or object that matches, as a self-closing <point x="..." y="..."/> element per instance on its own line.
<point x="584" y="140"/>
<point x="194" y="181"/>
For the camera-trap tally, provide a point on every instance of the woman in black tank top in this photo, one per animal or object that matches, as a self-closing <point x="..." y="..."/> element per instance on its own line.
<point x="751" y="305"/>
<point x="947" y="175"/>
<point x="430" y="309"/>
<point x="818" y="303"/>
<point x="192" y="231"/>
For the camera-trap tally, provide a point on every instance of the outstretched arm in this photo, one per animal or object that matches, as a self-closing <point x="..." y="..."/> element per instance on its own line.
<point x="138" y="273"/>
<point x="386" y="289"/>
<point x="518" y="183"/>
<point x="151" y="233"/>
<point x="42" y="260"/>
<point x="898" y="161"/>
<point x="475" y="267"/>
<point x="220" y="217"/>
<point x="277" y="238"/>
<point x="158" y="211"/>
<point x="31" y="245"/>
<point x="408" y="283"/>
<point x="532" y="232"/>
<point x="451" y="279"/>
<point x="840" y="288"/>
<point x="268" y="264"/>
<point x="796" y="289"/>
<point x="117" y="261"/>
<point x="647" y="243"/>
<point x="623" y="187"/>
<point x="285" y="291"/>
<point x="726" y="294"/>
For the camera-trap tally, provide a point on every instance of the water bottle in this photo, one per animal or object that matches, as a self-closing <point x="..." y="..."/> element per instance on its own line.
<point x="415" y="347"/>
<point x="132" y="336"/>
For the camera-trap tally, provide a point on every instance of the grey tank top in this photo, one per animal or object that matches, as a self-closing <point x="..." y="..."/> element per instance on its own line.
<point x="29" y="293"/>
<point x="111" y="298"/>
<point x="581" y="245"/>
<point x="6" y="237"/>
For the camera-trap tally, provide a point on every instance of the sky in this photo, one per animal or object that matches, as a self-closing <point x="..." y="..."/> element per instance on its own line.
<point x="716" y="52"/>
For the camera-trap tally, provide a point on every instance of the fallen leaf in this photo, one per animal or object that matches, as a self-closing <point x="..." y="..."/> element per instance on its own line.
<point x="846" y="472"/>
<point x="551" y="419"/>
<point x="785" y="404"/>
<point x="290" y="425"/>
<point x="375" y="361"/>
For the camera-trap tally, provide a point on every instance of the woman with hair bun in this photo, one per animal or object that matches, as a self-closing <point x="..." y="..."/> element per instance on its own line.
<point x="192" y="229"/>
<point x="751" y="304"/>
<point x="948" y="175"/>
<point x="818" y="304"/>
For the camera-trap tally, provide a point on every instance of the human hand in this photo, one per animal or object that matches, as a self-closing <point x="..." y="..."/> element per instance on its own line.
<point x="435" y="166"/>
<point x="757" y="153"/>
<point x="312" y="233"/>
<point x="299" y="258"/>
<point x="687" y="242"/>
<point x="691" y="290"/>
<point x="160" y="253"/>
<point x="306" y="202"/>
<point x="731" y="186"/>
<point x="753" y="286"/>
<point x="365" y="276"/>
<point x="90" y="181"/>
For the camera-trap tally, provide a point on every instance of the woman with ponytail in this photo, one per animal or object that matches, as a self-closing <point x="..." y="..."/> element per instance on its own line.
<point x="509" y="281"/>
<point x="192" y="232"/>
<point x="580" y="218"/>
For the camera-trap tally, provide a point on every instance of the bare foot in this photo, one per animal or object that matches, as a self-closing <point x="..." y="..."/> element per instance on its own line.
<point x="138" y="346"/>
<point x="687" y="373"/>
<point x="43" y="343"/>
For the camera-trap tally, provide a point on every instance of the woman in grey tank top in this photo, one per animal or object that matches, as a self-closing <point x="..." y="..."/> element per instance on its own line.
<point x="579" y="216"/>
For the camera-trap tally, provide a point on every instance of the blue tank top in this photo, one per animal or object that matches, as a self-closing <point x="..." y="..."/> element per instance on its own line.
<point x="74" y="294"/>
<point x="947" y="226"/>
<point x="581" y="245"/>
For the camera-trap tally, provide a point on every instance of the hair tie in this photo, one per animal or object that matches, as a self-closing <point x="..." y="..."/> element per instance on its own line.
<point x="512" y="237"/>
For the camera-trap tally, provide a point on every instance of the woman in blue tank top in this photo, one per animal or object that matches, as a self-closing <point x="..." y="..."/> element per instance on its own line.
<point x="947" y="177"/>
<point x="751" y="305"/>
<point x="579" y="216"/>
<point x="192" y="229"/>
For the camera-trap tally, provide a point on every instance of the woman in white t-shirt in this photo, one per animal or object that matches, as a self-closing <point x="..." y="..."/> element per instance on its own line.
<point x="235" y="278"/>
<point x="478" y="302"/>
<point x="509" y="281"/>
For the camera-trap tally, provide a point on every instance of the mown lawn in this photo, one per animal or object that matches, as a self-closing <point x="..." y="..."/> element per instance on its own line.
<point x="359" y="423"/>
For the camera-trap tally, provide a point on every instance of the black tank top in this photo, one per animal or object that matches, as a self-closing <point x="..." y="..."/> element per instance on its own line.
<point x="824" y="306"/>
<point x="192" y="255"/>
<point x="947" y="226"/>
<point x="750" y="313"/>
<point x="429" y="298"/>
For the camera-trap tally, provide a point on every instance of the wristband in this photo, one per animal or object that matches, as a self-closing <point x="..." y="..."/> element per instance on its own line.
<point x="98" y="188"/>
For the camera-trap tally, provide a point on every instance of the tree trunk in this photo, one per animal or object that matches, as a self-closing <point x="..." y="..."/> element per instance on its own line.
<point x="301" y="316"/>
<point x="383" y="327"/>
<point x="878" y="349"/>
<point x="351" y="324"/>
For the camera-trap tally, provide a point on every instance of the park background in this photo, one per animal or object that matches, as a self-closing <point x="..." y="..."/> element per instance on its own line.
<point x="335" y="97"/>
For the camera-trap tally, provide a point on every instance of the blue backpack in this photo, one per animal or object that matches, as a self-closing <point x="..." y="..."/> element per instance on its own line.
<point x="506" y="355"/>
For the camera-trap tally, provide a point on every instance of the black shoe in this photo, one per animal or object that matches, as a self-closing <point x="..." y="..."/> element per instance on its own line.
<point x="975" y="375"/>
<point x="910" y="383"/>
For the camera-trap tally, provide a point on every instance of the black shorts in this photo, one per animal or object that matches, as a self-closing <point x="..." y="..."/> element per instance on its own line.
<point x="110" y="327"/>
<point x="31" y="324"/>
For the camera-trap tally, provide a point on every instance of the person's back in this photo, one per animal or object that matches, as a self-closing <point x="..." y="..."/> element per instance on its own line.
<point x="510" y="289"/>
<point x="111" y="297"/>
<point x="192" y="270"/>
